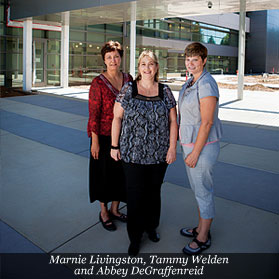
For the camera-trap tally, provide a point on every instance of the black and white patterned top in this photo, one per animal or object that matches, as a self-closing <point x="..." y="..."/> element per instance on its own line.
<point x="144" y="137"/>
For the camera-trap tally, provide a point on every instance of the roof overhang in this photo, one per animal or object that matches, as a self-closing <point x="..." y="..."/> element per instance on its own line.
<point x="112" y="11"/>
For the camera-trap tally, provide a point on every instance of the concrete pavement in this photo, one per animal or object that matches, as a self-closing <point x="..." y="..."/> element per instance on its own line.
<point x="44" y="179"/>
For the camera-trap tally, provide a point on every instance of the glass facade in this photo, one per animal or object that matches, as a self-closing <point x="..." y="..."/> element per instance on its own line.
<point x="174" y="63"/>
<point x="85" y="44"/>
<point x="10" y="51"/>
<point x="85" y="60"/>
<point x="183" y="29"/>
<point x="186" y="30"/>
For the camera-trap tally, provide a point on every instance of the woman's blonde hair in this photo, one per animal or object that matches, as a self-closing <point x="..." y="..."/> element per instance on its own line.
<point x="154" y="58"/>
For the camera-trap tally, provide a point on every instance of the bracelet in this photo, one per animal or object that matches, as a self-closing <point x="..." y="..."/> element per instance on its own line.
<point x="115" y="147"/>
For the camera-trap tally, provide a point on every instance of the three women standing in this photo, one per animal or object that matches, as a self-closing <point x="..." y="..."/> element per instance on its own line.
<point x="106" y="177"/>
<point x="200" y="131"/>
<point x="144" y="135"/>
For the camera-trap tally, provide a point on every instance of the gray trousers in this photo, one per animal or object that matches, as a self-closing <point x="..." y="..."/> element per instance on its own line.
<point x="201" y="178"/>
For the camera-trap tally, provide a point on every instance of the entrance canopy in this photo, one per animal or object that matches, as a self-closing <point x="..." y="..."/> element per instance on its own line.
<point x="91" y="12"/>
<point x="112" y="11"/>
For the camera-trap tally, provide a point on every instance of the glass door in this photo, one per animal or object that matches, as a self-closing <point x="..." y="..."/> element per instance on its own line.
<point x="39" y="62"/>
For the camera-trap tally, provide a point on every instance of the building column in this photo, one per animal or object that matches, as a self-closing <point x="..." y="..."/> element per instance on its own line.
<point x="125" y="46"/>
<point x="133" y="37"/>
<point x="64" y="58"/>
<point x="27" y="54"/>
<point x="241" y="49"/>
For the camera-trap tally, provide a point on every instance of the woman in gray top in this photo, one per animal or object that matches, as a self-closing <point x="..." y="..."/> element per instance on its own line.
<point x="144" y="135"/>
<point x="199" y="131"/>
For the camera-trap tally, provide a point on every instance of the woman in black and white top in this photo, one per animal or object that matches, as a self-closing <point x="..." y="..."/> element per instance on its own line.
<point x="144" y="135"/>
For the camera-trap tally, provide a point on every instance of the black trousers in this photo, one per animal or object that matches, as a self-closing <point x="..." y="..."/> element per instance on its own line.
<point x="143" y="184"/>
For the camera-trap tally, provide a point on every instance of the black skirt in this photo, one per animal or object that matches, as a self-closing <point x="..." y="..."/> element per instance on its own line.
<point x="106" y="176"/>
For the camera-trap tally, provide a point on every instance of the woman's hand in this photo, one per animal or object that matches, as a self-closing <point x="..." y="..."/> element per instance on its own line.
<point x="95" y="149"/>
<point x="191" y="160"/>
<point x="171" y="155"/>
<point x="115" y="154"/>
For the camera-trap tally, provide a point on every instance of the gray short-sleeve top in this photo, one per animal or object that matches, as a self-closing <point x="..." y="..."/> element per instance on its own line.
<point x="189" y="116"/>
<point x="144" y="137"/>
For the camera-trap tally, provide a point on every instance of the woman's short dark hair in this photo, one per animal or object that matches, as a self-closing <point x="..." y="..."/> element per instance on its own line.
<point x="111" y="46"/>
<point x="196" y="49"/>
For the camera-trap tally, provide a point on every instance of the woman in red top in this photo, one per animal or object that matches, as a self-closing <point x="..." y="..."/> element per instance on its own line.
<point x="106" y="177"/>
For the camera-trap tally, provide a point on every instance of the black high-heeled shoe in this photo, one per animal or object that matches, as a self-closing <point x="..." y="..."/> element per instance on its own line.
<point x="122" y="217"/>
<point x="108" y="225"/>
